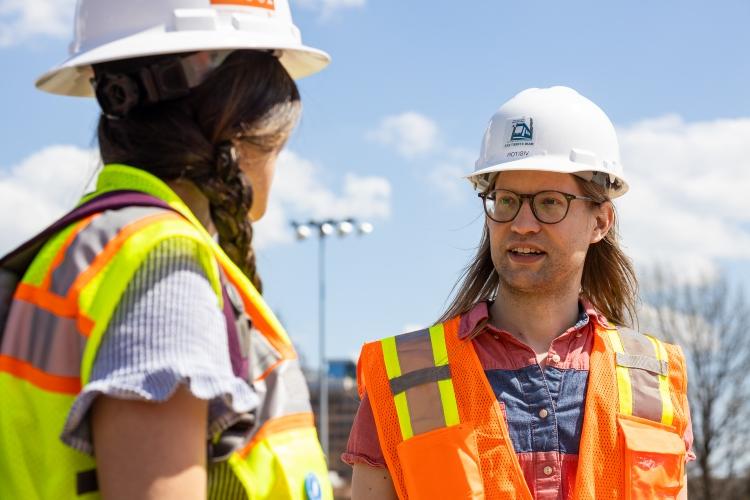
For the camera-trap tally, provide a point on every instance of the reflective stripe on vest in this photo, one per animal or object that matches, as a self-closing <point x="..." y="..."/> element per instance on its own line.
<point x="51" y="320"/>
<point x="60" y="312"/>
<point x="642" y="375"/>
<point x="420" y="378"/>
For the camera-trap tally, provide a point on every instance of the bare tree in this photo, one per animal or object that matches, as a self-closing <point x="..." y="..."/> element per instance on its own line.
<point x="710" y="320"/>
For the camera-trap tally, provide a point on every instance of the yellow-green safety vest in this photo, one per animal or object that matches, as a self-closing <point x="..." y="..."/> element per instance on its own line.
<point x="60" y="311"/>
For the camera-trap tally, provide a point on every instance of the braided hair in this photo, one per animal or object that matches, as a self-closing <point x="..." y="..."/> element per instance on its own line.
<point x="249" y="99"/>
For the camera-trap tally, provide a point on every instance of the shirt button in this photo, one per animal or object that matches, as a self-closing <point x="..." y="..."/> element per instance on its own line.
<point x="548" y="471"/>
<point x="579" y="335"/>
<point x="496" y="337"/>
<point x="555" y="358"/>
<point x="543" y="413"/>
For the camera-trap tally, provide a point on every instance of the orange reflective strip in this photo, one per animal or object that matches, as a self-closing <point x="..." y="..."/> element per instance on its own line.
<point x="85" y="325"/>
<point x="269" y="370"/>
<point x="263" y="4"/>
<point x="55" y="304"/>
<point x="261" y="323"/>
<point x="46" y="300"/>
<point x="60" y="256"/>
<point x="113" y="246"/>
<point x="68" y="306"/>
<point x="277" y="425"/>
<point x="39" y="378"/>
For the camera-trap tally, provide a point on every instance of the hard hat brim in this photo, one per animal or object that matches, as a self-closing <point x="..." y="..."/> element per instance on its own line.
<point x="547" y="163"/>
<point x="73" y="76"/>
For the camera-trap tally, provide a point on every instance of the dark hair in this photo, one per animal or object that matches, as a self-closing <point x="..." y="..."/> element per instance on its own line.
<point x="608" y="280"/>
<point x="250" y="98"/>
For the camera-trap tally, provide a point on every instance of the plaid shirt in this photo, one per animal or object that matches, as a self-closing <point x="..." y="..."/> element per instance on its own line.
<point x="543" y="407"/>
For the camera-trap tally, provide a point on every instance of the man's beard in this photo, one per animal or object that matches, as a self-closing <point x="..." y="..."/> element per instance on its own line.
<point x="552" y="280"/>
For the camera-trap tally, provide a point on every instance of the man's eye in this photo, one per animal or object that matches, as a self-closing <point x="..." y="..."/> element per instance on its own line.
<point x="551" y="201"/>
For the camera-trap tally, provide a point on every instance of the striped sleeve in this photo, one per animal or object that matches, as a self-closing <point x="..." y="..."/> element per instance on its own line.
<point x="168" y="330"/>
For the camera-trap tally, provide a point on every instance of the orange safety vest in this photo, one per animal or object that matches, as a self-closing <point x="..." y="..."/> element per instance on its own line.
<point x="443" y="434"/>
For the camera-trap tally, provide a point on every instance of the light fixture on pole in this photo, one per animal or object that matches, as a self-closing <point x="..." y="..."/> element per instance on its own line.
<point x="325" y="228"/>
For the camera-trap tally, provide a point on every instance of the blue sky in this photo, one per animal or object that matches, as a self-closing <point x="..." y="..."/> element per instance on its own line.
<point x="395" y="120"/>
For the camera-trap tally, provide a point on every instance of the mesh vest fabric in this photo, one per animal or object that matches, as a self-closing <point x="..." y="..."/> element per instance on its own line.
<point x="601" y="452"/>
<point x="476" y="403"/>
<point x="600" y="470"/>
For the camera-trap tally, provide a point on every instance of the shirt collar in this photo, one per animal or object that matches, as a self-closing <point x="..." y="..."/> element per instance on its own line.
<point x="480" y="313"/>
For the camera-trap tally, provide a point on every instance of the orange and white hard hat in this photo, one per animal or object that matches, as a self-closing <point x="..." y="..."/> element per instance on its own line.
<point x="552" y="129"/>
<point x="112" y="30"/>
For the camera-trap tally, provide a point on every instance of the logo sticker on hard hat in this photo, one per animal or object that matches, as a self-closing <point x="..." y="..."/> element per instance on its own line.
<point x="263" y="4"/>
<point x="520" y="132"/>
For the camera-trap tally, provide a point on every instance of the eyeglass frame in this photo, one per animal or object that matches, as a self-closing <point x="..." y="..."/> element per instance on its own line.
<point x="530" y="196"/>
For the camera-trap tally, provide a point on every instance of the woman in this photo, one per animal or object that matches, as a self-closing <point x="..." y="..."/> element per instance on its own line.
<point x="138" y="359"/>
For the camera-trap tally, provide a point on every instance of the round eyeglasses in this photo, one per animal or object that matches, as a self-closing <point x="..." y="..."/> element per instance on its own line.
<point x="549" y="207"/>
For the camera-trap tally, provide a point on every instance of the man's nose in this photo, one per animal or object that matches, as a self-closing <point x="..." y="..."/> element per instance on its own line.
<point x="525" y="221"/>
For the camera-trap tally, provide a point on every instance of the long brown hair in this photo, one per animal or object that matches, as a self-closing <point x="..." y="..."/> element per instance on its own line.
<point x="609" y="280"/>
<point x="251" y="98"/>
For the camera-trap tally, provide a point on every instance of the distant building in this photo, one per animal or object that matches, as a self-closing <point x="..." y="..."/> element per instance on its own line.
<point x="343" y="402"/>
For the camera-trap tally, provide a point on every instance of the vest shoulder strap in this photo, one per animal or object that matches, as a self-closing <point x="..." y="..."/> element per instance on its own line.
<point x="14" y="264"/>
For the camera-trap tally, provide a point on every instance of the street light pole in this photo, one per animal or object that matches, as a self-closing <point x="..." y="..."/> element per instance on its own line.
<point x="324" y="229"/>
<point x="322" y="362"/>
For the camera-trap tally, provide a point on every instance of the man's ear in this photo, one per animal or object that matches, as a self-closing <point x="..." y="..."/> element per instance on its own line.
<point x="604" y="220"/>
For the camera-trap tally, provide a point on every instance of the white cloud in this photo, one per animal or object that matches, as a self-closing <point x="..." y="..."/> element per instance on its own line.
<point x="329" y="7"/>
<point x="689" y="185"/>
<point x="412" y="327"/>
<point x="46" y="184"/>
<point x="448" y="176"/>
<point x="40" y="189"/>
<point x="410" y="133"/>
<point x="414" y="135"/>
<point x="21" y="20"/>
<point x="299" y="192"/>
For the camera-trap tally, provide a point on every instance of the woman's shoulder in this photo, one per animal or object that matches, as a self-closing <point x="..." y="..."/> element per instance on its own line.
<point x="122" y="223"/>
<point x="135" y="230"/>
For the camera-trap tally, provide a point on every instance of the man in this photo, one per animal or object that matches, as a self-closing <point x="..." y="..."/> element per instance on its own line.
<point x="530" y="385"/>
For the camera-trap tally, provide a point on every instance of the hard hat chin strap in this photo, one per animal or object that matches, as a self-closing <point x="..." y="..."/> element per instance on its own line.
<point x="118" y="93"/>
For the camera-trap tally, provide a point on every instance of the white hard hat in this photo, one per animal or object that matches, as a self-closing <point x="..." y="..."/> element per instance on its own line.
<point x="112" y="30"/>
<point x="555" y="130"/>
